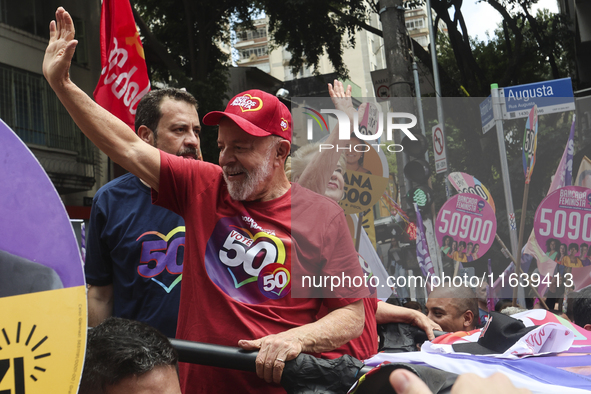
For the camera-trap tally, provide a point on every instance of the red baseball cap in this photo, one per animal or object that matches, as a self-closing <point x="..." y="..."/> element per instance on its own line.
<point x="257" y="113"/>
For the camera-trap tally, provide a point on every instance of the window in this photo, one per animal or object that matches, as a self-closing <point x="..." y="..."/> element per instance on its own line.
<point x="32" y="16"/>
<point x="245" y="54"/>
<point x="415" y="24"/>
<point x="259" y="32"/>
<point x="81" y="54"/>
<point x="32" y="110"/>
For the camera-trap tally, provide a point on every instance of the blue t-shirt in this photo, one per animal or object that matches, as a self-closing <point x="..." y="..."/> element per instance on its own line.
<point x="138" y="247"/>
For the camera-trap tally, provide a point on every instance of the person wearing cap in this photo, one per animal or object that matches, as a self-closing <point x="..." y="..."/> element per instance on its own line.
<point x="134" y="258"/>
<point x="248" y="230"/>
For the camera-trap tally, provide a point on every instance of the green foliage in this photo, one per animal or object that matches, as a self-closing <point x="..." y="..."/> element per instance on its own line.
<point x="494" y="55"/>
<point x="191" y="33"/>
<point x="310" y="28"/>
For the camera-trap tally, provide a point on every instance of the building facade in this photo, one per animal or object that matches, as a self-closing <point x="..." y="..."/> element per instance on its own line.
<point x="31" y="109"/>
<point x="254" y="50"/>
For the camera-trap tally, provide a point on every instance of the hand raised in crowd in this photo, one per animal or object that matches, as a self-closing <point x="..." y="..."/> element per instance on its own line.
<point x="341" y="99"/>
<point x="59" y="52"/>
<point x="406" y="382"/>
<point x="274" y="351"/>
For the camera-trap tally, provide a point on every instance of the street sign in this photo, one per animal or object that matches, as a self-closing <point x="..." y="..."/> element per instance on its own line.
<point x="550" y="97"/>
<point x="439" y="149"/>
<point x="487" y="115"/>
<point x="381" y="83"/>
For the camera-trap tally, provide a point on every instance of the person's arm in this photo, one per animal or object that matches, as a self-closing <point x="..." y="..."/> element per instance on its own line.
<point x="100" y="304"/>
<point x="105" y="130"/>
<point x="330" y="332"/>
<point x="318" y="172"/>
<point x="388" y="313"/>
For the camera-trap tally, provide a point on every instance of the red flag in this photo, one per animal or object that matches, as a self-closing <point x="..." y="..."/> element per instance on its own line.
<point x="124" y="76"/>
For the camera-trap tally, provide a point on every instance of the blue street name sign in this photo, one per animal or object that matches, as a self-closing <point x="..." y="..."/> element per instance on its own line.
<point x="550" y="97"/>
<point x="487" y="114"/>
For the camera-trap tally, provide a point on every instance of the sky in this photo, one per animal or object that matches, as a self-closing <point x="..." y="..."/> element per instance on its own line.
<point x="481" y="17"/>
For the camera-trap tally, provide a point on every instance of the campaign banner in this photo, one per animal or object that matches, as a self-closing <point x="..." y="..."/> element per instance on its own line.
<point x="562" y="177"/>
<point x="467" y="221"/>
<point x="564" y="218"/>
<point x="465" y="183"/>
<point x="371" y="120"/>
<point x="42" y="289"/>
<point x="530" y="143"/>
<point x="367" y="174"/>
<point x="423" y="256"/>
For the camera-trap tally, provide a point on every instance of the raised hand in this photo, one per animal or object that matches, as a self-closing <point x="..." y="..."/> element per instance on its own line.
<point x="341" y="98"/>
<point x="59" y="52"/>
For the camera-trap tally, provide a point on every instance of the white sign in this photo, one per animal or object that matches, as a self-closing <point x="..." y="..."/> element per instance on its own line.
<point x="439" y="149"/>
<point x="381" y="83"/>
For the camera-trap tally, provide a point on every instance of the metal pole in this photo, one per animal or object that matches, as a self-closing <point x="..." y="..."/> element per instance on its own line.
<point x="415" y="72"/>
<point x="440" y="117"/>
<point x="498" y="115"/>
<point x="430" y="236"/>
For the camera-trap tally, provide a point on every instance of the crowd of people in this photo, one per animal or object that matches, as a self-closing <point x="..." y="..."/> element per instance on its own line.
<point x="216" y="258"/>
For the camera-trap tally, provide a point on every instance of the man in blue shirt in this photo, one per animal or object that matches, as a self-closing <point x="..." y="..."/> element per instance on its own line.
<point x="135" y="249"/>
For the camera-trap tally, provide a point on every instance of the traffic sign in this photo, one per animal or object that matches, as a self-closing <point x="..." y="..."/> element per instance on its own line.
<point x="383" y="91"/>
<point x="550" y="97"/>
<point x="439" y="149"/>
<point x="486" y="114"/>
<point x="381" y="83"/>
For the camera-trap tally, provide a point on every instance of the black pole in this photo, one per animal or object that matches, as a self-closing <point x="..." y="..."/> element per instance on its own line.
<point x="215" y="355"/>
<point x="236" y="358"/>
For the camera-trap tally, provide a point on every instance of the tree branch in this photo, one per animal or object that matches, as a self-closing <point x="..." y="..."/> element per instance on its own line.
<point x="356" y="21"/>
<point x="533" y="23"/>
<point x="156" y="46"/>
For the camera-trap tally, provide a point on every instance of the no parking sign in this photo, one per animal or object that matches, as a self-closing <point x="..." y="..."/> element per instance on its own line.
<point x="439" y="149"/>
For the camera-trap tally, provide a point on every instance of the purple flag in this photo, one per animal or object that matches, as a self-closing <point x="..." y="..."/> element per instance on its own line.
<point x="83" y="241"/>
<point x="423" y="256"/>
<point x="570" y="150"/>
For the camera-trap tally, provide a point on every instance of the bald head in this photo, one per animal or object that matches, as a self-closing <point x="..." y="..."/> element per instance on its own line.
<point x="453" y="308"/>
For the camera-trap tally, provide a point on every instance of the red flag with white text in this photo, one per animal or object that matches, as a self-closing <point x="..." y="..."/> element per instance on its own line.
<point x="124" y="76"/>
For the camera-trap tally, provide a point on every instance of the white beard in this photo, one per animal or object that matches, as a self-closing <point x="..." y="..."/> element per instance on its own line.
<point x="243" y="190"/>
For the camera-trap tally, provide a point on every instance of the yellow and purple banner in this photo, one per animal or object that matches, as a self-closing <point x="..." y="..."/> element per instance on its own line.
<point x="42" y="289"/>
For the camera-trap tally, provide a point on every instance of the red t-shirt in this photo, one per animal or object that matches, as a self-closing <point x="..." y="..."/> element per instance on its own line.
<point x="237" y="275"/>
<point x="367" y="344"/>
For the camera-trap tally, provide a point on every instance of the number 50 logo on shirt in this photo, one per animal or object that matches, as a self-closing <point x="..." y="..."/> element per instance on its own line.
<point x="247" y="262"/>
